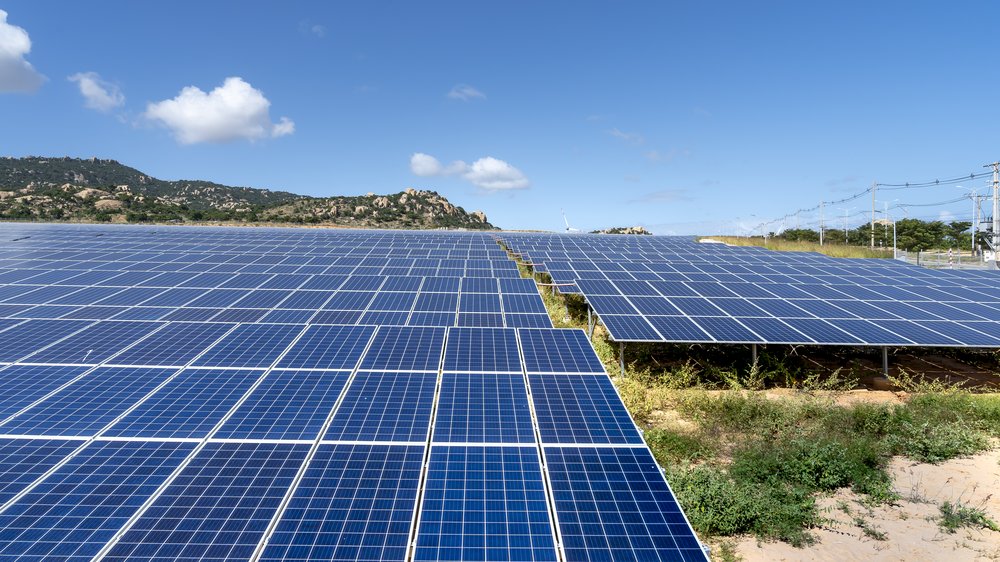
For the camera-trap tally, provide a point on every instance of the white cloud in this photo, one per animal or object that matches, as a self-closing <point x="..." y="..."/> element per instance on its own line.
<point x="98" y="94"/>
<point x="465" y="92"/>
<point x="425" y="165"/>
<point x="492" y="174"/>
<point x="235" y="110"/>
<point x="488" y="173"/>
<point x="308" y="28"/>
<point x="16" y="74"/>
<point x="632" y="138"/>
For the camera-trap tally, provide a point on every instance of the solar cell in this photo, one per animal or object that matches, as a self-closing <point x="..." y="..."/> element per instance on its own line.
<point x="580" y="409"/>
<point x="75" y="511"/>
<point x="385" y="407"/>
<point x="218" y="507"/>
<point x="630" y="328"/>
<point x="355" y="502"/>
<point x="484" y="503"/>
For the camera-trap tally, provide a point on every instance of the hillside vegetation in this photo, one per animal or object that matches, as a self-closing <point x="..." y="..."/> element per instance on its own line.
<point x="96" y="190"/>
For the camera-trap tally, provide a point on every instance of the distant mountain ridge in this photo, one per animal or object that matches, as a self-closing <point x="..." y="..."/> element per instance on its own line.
<point x="94" y="189"/>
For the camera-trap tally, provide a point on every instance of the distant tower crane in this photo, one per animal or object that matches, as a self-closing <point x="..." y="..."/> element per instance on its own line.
<point x="568" y="227"/>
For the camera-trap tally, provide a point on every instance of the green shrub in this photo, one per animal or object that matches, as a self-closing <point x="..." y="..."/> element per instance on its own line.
<point x="670" y="447"/>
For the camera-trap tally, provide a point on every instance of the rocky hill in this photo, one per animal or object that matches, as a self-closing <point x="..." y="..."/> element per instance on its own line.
<point x="624" y="230"/>
<point x="39" y="188"/>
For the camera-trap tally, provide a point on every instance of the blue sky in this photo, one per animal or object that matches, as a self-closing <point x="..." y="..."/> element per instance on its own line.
<point x="693" y="117"/>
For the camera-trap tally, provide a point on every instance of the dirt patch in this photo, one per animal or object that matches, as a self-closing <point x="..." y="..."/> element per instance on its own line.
<point x="907" y="530"/>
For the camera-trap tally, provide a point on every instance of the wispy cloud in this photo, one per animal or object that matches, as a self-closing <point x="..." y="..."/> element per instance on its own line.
<point x="465" y="92"/>
<point x="98" y="94"/>
<point x="664" y="196"/>
<point x="487" y="173"/>
<point x="667" y="156"/>
<point x="631" y="138"/>
<point x="312" y="29"/>
<point x="16" y="73"/>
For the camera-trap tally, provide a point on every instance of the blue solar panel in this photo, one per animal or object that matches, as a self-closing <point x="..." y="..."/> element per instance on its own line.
<point x="527" y="320"/>
<point x="529" y="304"/>
<point x="580" y="409"/>
<point x="250" y="345"/>
<point x="630" y="328"/>
<point x="436" y="302"/>
<point x="385" y="407"/>
<point x="558" y="351"/>
<point x="22" y="461"/>
<point x="328" y="347"/>
<point x="175" y="344"/>
<point x="482" y="350"/>
<point x="612" y="503"/>
<point x="25" y="338"/>
<point x="287" y="405"/>
<point x="22" y="385"/>
<point x="727" y="329"/>
<point x="190" y="405"/>
<point x="217" y="508"/>
<point x="355" y="502"/>
<point x="431" y="319"/>
<point x="483" y="408"/>
<point x="484" y="503"/>
<point x="89" y="404"/>
<point x="76" y="510"/>
<point x="399" y="348"/>
<point x="96" y="343"/>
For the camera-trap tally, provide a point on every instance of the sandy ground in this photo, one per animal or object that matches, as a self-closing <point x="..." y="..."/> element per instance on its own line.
<point x="910" y="526"/>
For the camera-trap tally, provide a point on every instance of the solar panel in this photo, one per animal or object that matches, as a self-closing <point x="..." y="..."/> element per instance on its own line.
<point x="602" y="495"/>
<point x="218" y="507"/>
<point x="398" y="348"/>
<point x="22" y="385"/>
<point x="483" y="408"/>
<point x="174" y="344"/>
<point x="250" y="345"/>
<point x="189" y="405"/>
<point x="558" y="351"/>
<point x="482" y="350"/>
<point x="580" y="409"/>
<point x="499" y="495"/>
<point x="348" y="507"/>
<point x="288" y="405"/>
<point x="74" y="512"/>
<point x="22" y="461"/>
<point x="328" y="347"/>
<point x="33" y="335"/>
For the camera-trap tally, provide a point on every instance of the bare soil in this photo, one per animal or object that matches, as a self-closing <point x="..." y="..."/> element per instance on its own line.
<point x="907" y="530"/>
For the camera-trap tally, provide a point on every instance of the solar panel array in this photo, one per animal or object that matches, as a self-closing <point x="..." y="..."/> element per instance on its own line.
<point x="673" y="289"/>
<point x="130" y="431"/>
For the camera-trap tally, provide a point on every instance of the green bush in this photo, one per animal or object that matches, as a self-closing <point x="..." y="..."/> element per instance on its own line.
<point x="670" y="447"/>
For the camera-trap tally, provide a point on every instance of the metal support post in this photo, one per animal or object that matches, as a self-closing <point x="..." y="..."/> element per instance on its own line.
<point x="590" y="326"/>
<point x="885" y="362"/>
<point x="621" y="356"/>
<point x="753" y="352"/>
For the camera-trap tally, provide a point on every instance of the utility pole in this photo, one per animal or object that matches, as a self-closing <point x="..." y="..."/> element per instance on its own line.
<point x="820" y="223"/>
<point x="975" y="219"/>
<point x="885" y="224"/>
<point x="845" y="227"/>
<point x="996" y="207"/>
<point x="874" y="184"/>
